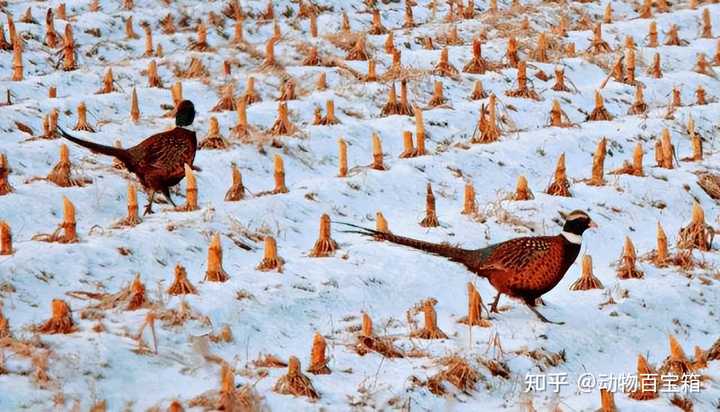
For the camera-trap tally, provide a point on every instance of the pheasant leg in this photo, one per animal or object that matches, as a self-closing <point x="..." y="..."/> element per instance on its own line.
<point x="493" y="307"/>
<point x="166" y="193"/>
<point x="540" y="316"/>
<point x="148" y="207"/>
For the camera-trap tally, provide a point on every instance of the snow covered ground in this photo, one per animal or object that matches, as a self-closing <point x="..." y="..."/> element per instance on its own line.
<point x="278" y="314"/>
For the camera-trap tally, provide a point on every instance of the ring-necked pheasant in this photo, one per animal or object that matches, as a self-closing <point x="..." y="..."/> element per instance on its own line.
<point x="524" y="268"/>
<point x="158" y="161"/>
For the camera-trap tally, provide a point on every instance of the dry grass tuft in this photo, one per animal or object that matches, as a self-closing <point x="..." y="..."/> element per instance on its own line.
<point x="456" y="371"/>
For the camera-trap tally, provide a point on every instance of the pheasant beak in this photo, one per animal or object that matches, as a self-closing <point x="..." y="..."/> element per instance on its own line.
<point x="593" y="225"/>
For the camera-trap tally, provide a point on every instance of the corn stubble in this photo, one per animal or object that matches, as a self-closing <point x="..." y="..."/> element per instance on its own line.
<point x="325" y="246"/>
<point x="66" y="231"/>
<point x="295" y="382"/>
<point x="368" y="342"/>
<point x="270" y="260"/>
<point x="587" y="279"/>
<point x="475" y="309"/>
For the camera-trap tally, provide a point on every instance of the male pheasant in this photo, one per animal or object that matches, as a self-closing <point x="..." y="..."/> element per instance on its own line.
<point x="158" y="161"/>
<point x="524" y="268"/>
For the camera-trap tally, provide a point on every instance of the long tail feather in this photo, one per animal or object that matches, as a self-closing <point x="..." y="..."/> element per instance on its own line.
<point x="451" y="252"/>
<point x="121" y="154"/>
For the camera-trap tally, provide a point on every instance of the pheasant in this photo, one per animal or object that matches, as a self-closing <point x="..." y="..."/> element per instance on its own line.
<point x="158" y="161"/>
<point x="524" y="268"/>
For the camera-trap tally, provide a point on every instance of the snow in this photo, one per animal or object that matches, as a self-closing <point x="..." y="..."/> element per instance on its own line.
<point x="328" y="295"/>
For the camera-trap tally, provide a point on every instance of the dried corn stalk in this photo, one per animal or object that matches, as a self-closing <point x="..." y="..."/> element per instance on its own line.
<point x="269" y="63"/>
<point x="522" y="191"/>
<point x="661" y="257"/>
<point x="318" y="363"/>
<point x="408" y="147"/>
<point x="201" y="44"/>
<point x="627" y="264"/>
<point x="152" y="74"/>
<point x="443" y="67"/>
<point x="321" y="82"/>
<point x="69" y="60"/>
<point x="700" y="96"/>
<point x="478" y="92"/>
<point x="392" y="106"/>
<point x="149" y="49"/>
<point x="598" y="45"/>
<point x="325" y="245"/>
<point x="282" y="125"/>
<point x="664" y="150"/>
<point x="558" y="117"/>
<point x="430" y="329"/>
<point x="376" y="26"/>
<point x="377" y="153"/>
<point x="639" y="106"/>
<point x="540" y="53"/>
<point x="511" y="53"/>
<point x="60" y="173"/>
<point x="368" y="342"/>
<point x="5" y="186"/>
<point x="237" y="189"/>
<point x="487" y="130"/>
<point x="437" y="98"/>
<point x="191" y="197"/>
<point x="181" y="285"/>
<point x="655" y="70"/>
<point x="475" y="309"/>
<point x="652" y="35"/>
<point x="241" y="129"/>
<point x="522" y="90"/>
<point x="132" y="217"/>
<point x="598" y="163"/>
<point x="673" y="38"/>
<point x="702" y="66"/>
<point x="17" y="63"/>
<point x="587" y="279"/>
<point x="6" y="248"/>
<point x="650" y="378"/>
<point x="134" y="107"/>
<point x="372" y="73"/>
<point x="469" y="202"/>
<point x="698" y="234"/>
<point x="560" y="186"/>
<point x="82" y="123"/>
<point x="329" y="118"/>
<point x="342" y="158"/>
<point x="381" y="224"/>
<point x="270" y="260"/>
<point x="215" y="271"/>
<point x="359" y="50"/>
<point x="61" y="320"/>
<point x="477" y="63"/>
<point x="279" y="175"/>
<point x="559" y="85"/>
<point x="430" y="219"/>
<point x="599" y="113"/>
<point x="214" y="139"/>
<point x="295" y="382"/>
<point x="676" y="365"/>
<point x="227" y="99"/>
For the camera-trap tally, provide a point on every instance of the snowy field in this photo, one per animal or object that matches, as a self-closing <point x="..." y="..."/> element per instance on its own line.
<point x="103" y="363"/>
